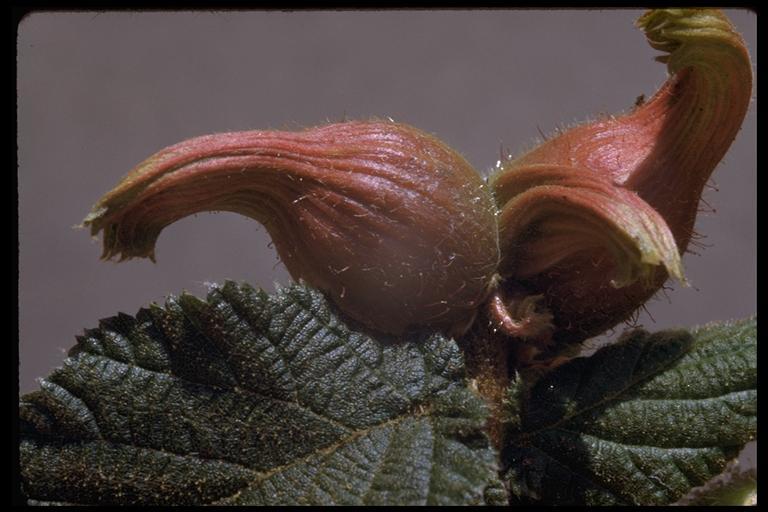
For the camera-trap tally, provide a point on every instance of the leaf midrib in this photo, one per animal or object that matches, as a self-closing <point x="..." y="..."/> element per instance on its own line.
<point x="631" y="382"/>
<point x="419" y="410"/>
<point x="416" y="410"/>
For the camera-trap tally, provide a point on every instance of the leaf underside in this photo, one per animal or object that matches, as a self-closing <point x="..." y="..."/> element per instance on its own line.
<point x="247" y="398"/>
<point x="640" y="422"/>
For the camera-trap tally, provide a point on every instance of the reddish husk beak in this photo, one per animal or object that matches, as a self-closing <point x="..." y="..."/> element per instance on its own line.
<point x="396" y="227"/>
<point x="596" y="219"/>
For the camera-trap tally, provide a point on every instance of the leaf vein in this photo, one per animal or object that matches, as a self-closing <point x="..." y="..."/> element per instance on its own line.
<point x="211" y="387"/>
<point x="618" y="394"/>
<point x="262" y="476"/>
<point x="339" y="332"/>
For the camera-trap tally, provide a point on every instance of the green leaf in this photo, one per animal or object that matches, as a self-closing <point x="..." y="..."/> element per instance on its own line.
<point x="247" y="398"/>
<point x="639" y="422"/>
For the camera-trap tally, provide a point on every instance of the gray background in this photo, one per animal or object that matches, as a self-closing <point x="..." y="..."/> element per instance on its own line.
<point x="99" y="92"/>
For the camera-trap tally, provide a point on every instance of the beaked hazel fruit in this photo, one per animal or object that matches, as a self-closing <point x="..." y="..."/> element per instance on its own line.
<point x="392" y="224"/>
<point x="400" y="232"/>
<point x="596" y="219"/>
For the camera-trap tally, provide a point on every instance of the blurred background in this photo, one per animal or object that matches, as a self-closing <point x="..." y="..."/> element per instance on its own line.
<point x="99" y="92"/>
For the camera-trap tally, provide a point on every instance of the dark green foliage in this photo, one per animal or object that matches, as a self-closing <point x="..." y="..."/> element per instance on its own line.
<point x="640" y="422"/>
<point x="247" y="398"/>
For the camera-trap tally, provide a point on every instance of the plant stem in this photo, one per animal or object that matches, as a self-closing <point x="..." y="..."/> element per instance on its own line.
<point x="487" y="357"/>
